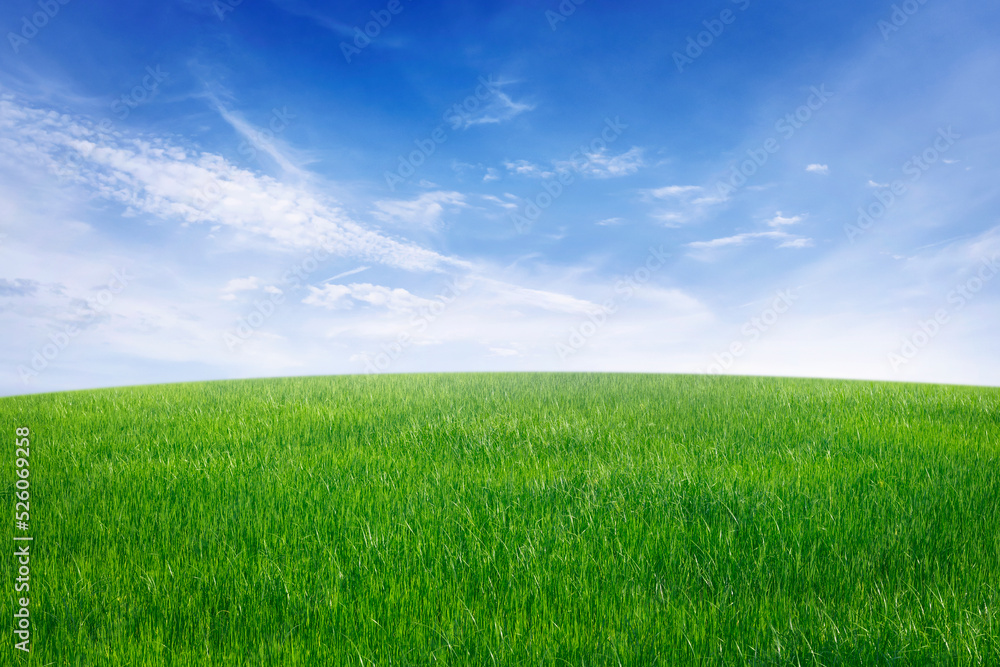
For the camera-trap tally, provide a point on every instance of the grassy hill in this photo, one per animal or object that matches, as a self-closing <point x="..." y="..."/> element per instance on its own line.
<point x="525" y="519"/>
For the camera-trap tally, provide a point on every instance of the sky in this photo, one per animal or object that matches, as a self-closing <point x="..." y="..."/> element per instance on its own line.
<point x="212" y="189"/>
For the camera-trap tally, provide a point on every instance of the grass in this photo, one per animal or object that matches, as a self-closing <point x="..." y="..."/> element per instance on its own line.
<point x="511" y="520"/>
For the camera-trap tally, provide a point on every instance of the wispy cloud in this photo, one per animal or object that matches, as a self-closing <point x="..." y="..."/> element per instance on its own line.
<point x="498" y="107"/>
<point x="425" y="211"/>
<point x="489" y="294"/>
<point x="527" y="168"/>
<point x="735" y="240"/>
<point x="818" y="169"/>
<point x="236" y="285"/>
<point x="689" y="202"/>
<point x="781" y="221"/>
<point x="295" y="8"/>
<point x="347" y="273"/>
<point x="501" y="293"/>
<point x="674" y="191"/>
<point x="797" y="243"/>
<point x="155" y="177"/>
<point x="601" y="164"/>
<point x="18" y="287"/>
<point x="787" y="241"/>
<point x="595" y="164"/>
<point x="509" y="204"/>
<point x="264" y="139"/>
<point x="337" y="297"/>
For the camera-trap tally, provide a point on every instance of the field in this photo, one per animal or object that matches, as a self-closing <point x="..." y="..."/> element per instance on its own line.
<point x="510" y="520"/>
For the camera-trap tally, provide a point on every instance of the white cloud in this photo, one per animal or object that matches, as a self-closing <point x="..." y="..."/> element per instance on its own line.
<point x="239" y="285"/>
<point x="610" y="222"/>
<point x="498" y="107"/>
<point x="671" y="191"/>
<point x="599" y="164"/>
<point x="781" y="221"/>
<point x="818" y="169"/>
<point x="337" y="297"/>
<point x="526" y="168"/>
<point x="242" y="284"/>
<point x="509" y="205"/>
<point x="735" y="240"/>
<point x="797" y="243"/>
<point x="671" y="218"/>
<point x="264" y="139"/>
<point x="168" y="181"/>
<point x="602" y="165"/>
<point x="499" y="293"/>
<point x="347" y="273"/>
<point x="425" y="211"/>
<point x="692" y="201"/>
<point x="787" y="241"/>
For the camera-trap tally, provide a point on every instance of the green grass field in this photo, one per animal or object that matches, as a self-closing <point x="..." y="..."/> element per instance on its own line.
<point x="510" y="520"/>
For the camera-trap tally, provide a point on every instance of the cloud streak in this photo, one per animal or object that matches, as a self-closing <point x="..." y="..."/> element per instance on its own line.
<point x="155" y="177"/>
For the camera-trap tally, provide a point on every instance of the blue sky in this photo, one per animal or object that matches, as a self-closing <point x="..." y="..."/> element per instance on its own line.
<point x="199" y="190"/>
